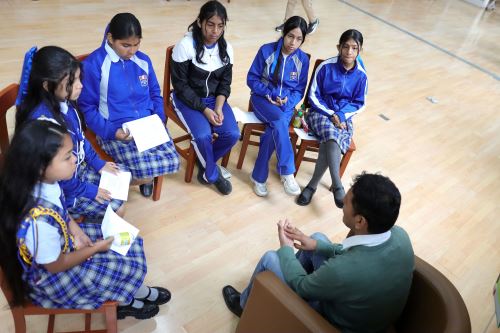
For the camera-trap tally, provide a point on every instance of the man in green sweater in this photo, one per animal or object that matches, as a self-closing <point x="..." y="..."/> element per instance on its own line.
<point x="360" y="285"/>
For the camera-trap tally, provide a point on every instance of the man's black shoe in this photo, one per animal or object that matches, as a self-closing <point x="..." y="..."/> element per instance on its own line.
<point x="305" y="197"/>
<point x="201" y="171"/>
<point x="222" y="184"/>
<point x="232" y="299"/>
<point x="146" y="312"/>
<point x="146" y="189"/>
<point x="163" y="296"/>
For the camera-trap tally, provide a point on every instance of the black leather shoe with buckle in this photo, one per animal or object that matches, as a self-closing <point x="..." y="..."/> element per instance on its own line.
<point x="163" y="296"/>
<point x="146" y="312"/>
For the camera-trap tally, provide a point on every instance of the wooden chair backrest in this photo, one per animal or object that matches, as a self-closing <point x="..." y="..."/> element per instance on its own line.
<point x="8" y="97"/>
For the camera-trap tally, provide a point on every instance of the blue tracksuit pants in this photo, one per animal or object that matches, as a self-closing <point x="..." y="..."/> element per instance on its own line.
<point x="275" y="137"/>
<point x="207" y="150"/>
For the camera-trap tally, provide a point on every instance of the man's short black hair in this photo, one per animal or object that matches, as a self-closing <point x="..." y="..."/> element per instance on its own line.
<point x="377" y="199"/>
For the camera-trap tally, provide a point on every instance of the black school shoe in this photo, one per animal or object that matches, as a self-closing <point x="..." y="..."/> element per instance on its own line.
<point x="146" y="189"/>
<point x="146" y="312"/>
<point x="338" y="196"/>
<point x="305" y="196"/>
<point x="163" y="296"/>
<point x="222" y="184"/>
<point x="232" y="299"/>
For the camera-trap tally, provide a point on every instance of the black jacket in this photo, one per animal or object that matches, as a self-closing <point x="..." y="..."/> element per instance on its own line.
<point x="192" y="80"/>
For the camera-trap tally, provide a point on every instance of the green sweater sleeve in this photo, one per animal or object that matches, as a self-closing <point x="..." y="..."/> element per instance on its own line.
<point x="308" y="286"/>
<point x="328" y="249"/>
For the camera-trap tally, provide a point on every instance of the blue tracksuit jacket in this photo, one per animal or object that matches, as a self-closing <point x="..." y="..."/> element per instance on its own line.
<point x="337" y="91"/>
<point x="74" y="188"/>
<point x="292" y="79"/>
<point x="116" y="91"/>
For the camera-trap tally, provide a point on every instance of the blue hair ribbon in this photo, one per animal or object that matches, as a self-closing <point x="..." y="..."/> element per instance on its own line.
<point x="25" y="75"/>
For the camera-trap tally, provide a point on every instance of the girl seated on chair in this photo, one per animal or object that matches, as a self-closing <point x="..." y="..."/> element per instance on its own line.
<point x="120" y="85"/>
<point x="61" y="264"/>
<point x="278" y="79"/>
<point x="49" y="89"/>
<point x="337" y="93"/>
<point x="202" y="70"/>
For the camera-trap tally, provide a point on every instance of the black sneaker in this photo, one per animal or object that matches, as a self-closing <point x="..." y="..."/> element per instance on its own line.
<point x="146" y="312"/>
<point x="232" y="299"/>
<point x="146" y="189"/>
<point x="222" y="184"/>
<point x="201" y="172"/>
<point x="311" y="28"/>
<point x="163" y="296"/>
<point x="279" y="28"/>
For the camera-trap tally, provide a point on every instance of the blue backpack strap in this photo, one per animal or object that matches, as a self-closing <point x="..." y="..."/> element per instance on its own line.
<point x="25" y="75"/>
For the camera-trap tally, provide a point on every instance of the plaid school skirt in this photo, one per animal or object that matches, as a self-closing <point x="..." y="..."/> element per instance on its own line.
<point x="91" y="208"/>
<point x="153" y="162"/>
<point x="106" y="276"/>
<point x="323" y="128"/>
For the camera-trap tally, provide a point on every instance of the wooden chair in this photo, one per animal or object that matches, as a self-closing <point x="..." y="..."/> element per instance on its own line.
<point x="91" y="136"/>
<point x="19" y="313"/>
<point x="7" y="100"/>
<point x="187" y="153"/>
<point x="257" y="130"/>
<point x="312" y="145"/>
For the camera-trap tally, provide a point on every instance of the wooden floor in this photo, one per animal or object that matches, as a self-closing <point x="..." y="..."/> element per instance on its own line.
<point x="445" y="157"/>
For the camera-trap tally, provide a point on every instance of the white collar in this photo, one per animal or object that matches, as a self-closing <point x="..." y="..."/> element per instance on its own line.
<point x="49" y="192"/>
<point x="366" y="240"/>
<point x="111" y="53"/>
<point x="64" y="107"/>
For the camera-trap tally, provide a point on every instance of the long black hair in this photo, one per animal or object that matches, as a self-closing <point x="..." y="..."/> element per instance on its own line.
<point x="290" y="24"/>
<point x="125" y="25"/>
<point x="207" y="11"/>
<point x="31" y="151"/>
<point x="51" y="64"/>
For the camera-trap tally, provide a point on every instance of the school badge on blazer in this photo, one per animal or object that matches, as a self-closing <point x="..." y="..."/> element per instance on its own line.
<point x="144" y="80"/>
<point x="293" y="76"/>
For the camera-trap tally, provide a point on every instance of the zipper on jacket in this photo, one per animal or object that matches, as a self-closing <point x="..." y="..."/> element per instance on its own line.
<point x="206" y="82"/>
<point x="283" y="74"/>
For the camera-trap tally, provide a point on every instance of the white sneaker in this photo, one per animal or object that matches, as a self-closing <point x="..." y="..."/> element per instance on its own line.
<point x="290" y="185"/>
<point x="259" y="188"/>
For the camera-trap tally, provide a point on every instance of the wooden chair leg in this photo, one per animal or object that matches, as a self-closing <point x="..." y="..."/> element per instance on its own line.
<point x="299" y="157"/>
<point x="19" y="320"/>
<point x="344" y="161"/>
<point x="225" y="159"/>
<point x="111" y="322"/>
<point x="88" y="319"/>
<point x="190" y="164"/>
<point x="50" y="326"/>
<point x="244" y="146"/>
<point x="157" y="183"/>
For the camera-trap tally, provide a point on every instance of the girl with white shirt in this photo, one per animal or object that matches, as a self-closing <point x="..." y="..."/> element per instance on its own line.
<point x="61" y="264"/>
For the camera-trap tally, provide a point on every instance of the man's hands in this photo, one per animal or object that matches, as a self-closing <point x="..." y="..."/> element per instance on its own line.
<point x="293" y="237"/>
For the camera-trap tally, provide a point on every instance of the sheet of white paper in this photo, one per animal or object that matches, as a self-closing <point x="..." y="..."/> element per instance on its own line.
<point x="112" y="224"/>
<point x="303" y="135"/>
<point x="116" y="184"/>
<point x="245" y="117"/>
<point x="148" y="132"/>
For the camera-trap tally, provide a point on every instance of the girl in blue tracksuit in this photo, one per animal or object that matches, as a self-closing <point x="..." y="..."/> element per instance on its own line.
<point x="337" y="93"/>
<point x="48" y="90"/>
<point x="120" y="85"/>
<point x="202" y="70"/>
<point x="278" y="79"/>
